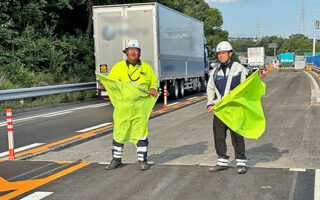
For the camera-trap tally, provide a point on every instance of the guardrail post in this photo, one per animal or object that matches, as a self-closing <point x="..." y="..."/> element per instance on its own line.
<point x="10" y="134"/>
<point x="165" y="97"/>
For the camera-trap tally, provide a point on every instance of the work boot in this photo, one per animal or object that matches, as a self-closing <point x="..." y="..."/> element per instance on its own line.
<point x="242" y="169"/>
<point x="217" y="168"/>
<point x="144" y="165"/>
<point x="115" y="163"/>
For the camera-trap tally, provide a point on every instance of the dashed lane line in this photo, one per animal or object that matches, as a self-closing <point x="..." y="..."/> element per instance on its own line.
<point x="37" y="196"/>
<point x="175" y="103"/>
<point x="297" y="170"/>
<point x="93" y="132"/>
<point x="191" y="98"/>
<point x="31" y="146"/>
<point x="94" y="127"/>
<point x="56" y="113"/>
<point x="20" y="187"/>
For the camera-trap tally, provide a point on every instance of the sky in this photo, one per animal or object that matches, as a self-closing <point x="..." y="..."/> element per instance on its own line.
<point x="244" y="18"/>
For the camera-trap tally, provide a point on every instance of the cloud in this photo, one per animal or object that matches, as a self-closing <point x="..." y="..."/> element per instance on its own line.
<point x="220" y="1"/>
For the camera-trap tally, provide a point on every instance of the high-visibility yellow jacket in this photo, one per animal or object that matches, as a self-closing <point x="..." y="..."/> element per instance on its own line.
<point x="141" y="74"/>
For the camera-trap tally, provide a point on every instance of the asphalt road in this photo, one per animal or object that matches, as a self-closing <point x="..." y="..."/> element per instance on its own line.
<point x="284" y="163"/>
<point x="54" y="123"/>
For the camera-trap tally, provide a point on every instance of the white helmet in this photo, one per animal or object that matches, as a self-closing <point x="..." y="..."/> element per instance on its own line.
<point x="133" y="43"/>
<point x="224" y="46"/>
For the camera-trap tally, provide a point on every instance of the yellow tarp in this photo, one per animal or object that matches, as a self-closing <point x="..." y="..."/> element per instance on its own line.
<point x="132" y="108"/>
<point x="241" y="110"/>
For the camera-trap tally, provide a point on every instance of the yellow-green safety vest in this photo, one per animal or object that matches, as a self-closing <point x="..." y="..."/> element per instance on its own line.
<point x="141" y="74"/>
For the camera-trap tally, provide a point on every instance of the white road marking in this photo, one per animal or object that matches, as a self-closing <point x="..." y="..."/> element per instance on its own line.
<point x="175" y="103"/>
<point x="91" y="106"/>
<point x="317" y="185"/>
<point x="191" y="98"/>
<point x="22" y="149"/>
<point x="103" y="163"/>
<point x="94" y="127"/>
<point x="56" y="113"/>
<point x="297" y="170"/>
<point x="37" y="196"/>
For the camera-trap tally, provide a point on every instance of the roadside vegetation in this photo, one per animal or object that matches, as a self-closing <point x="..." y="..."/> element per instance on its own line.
<point x="46" y="42"/>
<point x="297" y="43"/>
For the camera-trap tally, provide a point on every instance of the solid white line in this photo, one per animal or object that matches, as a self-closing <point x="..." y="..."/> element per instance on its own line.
<point x="37" y="196"/>
<point x="94" y="127"/>
<point x="22" y="149"/>
<point x="317" y="185"/>
<point x="191" y="98"/>
<point x="297" y="170"/>
<point x="173" y="104"/>
<point x="56" y="113"/>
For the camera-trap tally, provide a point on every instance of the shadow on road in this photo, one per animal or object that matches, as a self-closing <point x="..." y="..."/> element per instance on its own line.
<point x="264" y="153"/>
<point x="177" y="152"/>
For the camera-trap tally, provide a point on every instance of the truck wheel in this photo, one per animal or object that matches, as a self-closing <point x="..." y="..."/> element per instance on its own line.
<point x="176" y="90"/>
<point x="181" y="88"/>
<point x="199" y="87"/>
<point x="204" y="85"/>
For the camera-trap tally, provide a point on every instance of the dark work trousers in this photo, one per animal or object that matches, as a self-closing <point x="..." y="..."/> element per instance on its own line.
<point x="220" y="135"/>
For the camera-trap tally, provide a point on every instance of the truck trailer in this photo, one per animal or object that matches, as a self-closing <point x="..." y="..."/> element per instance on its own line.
<point x="172" y="43"/>
<point x="256" y="58"/>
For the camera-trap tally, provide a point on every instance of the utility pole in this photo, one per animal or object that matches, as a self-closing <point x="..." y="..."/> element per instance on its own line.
<point x="257" y="30"/>
<point x="302" y="17"/>
<point x="316" y="26"/>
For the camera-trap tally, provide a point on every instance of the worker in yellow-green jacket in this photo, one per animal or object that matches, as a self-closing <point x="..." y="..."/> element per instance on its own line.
<point x="138" y="73"/>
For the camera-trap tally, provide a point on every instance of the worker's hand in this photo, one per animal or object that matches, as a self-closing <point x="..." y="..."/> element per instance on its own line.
<point x="153" y="92"/>
<point x="209" y="109"/>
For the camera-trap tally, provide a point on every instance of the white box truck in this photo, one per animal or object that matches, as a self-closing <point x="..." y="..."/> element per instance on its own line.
<point x="256" y="57"/>
<point x="171" y="42"/>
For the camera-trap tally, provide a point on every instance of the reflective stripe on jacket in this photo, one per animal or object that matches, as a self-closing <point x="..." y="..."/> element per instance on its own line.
<point x="222" y="84"/>
<point x="141" y="74"/>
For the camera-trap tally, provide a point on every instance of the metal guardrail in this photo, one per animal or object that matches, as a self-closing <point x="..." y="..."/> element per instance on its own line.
<point x="14" y="94"/>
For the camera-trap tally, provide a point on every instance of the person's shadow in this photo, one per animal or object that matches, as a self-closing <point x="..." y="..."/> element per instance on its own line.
<point x="177" y="152"/>
<point x="264" y="153"/>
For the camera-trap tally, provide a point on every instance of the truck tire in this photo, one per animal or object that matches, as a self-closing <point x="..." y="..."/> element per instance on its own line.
<point x="181" y="88"/>
<point x="199" y="89"/>
<point x="176" y="90"/>
<point x="204" y="85"/>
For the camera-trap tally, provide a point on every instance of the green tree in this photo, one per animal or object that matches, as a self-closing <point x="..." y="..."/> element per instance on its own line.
<point x="297" y="43"/>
